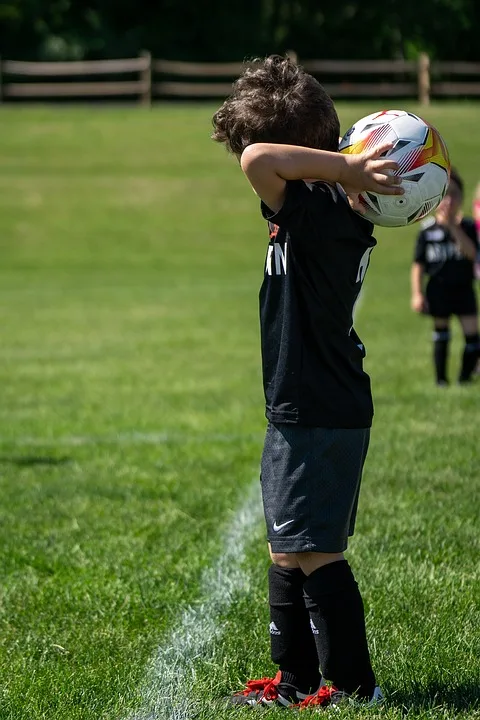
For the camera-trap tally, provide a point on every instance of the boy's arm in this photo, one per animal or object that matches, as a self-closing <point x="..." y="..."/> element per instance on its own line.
<point x="418" y="302"/>
<point x="268" y="166"/>
<point x="465" y="244"/>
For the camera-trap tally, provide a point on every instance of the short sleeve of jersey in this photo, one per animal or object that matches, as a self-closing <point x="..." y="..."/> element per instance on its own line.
<point x="419" y="254"/>
<point x="301" y="201"/>
<point x="468" y="227"/>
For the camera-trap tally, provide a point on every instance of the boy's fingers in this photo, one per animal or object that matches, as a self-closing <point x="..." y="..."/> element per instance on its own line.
<point x="380" y="149"/>
<point x="388" y="185"/>
<point x="355" y="203"/>
<point x="394" y="180"/>
<point x="387" y="165"/>
<point x="386" y="190"/>
<point x="387" y="179"/>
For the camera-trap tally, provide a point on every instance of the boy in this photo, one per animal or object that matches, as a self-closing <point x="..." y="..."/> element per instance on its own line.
<point x="284" y="129"/>
<point x="446" y="250"/>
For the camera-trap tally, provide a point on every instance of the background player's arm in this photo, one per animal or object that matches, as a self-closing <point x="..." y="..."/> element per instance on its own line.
<point x="418" y="301"/>
<point x="476" y="211"/>
<point x="447" y="216"/>
<point x="476" y="219"/>
<point x="268" y="166"/>
<point x="465" y="244"/>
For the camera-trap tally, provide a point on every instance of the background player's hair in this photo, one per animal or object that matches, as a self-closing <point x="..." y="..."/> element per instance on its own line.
<point x="276" y="101"/>
<point x="455" y="177"/>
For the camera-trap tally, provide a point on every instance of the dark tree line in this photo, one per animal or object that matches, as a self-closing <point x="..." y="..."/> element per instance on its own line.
<point x="222" y="30"/>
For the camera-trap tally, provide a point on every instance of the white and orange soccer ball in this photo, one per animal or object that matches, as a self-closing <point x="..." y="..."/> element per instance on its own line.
<point x="422" y="155"/>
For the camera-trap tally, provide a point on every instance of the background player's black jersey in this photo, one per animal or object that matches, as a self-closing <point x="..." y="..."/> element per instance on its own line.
<point x="317" y="257"/>
<point x="437" y="252"/>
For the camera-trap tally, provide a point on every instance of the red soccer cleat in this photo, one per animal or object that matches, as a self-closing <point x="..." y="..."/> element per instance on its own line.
<point x="268" y="691"/>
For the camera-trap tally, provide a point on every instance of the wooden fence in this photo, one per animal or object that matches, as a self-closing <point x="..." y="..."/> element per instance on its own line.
<point x="140" y="87"/>
<point x="144" y="79"/>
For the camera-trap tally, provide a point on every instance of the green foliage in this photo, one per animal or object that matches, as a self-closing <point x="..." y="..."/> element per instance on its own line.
<point x="219" y="31"/>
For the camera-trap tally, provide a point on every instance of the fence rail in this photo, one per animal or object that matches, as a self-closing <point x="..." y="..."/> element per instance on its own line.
<point x="366" y="67"/>
<point x="83" y="67"/>
<point x="140" y="87"/>
<point x="73" y="89"/>
<point x="160" y="79"/>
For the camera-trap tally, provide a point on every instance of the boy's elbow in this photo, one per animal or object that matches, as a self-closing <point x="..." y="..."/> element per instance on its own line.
<point x="254" y="157"/>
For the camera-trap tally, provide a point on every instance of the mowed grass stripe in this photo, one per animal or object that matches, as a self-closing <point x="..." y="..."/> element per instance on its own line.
<point x="167" y="692"/>
<point x="133" y="438"/>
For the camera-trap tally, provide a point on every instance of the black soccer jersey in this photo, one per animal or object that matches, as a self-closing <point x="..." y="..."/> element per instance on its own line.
<point x="317" y="257"/>
<point x="437" y="252"/>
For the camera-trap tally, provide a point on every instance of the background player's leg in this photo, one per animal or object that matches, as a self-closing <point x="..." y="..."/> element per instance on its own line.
<point x="441" y="341"/>
<point x="471" y="350"/>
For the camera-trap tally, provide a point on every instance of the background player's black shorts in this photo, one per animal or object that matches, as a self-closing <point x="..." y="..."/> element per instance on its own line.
<point x="310" y="481"/>
<point x="445" y="300"/>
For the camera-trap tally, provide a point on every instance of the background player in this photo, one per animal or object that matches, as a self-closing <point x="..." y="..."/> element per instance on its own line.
<point x="445" y="251"/>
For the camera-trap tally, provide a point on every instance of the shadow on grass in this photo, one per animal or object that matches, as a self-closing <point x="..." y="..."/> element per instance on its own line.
<point x="463" y="696"/>
<point x="32" y="460"/>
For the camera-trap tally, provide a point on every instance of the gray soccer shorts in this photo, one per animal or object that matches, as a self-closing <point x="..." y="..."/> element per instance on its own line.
<point x="310" y="480"/>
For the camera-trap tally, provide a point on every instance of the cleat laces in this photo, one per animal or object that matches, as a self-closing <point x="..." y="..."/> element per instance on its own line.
<point x="321" y="697"/>
<point x="264" y="688"/>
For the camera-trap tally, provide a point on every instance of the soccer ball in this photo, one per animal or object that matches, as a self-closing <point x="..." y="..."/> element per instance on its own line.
<point x="422" y="155"/>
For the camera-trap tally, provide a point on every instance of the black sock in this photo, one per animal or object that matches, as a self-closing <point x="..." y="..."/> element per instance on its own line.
<point x="292" y="643"/>
<point x="441" y="340"/>
<point x="470" y="356"/>
<point x="336" y="609"/>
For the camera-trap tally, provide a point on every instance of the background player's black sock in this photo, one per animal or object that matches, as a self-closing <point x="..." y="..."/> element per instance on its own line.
<point x="470" y="356"/>
<point x="441" y="339"/>
<point x="336" y="609"/>
<point x="292" y="643"/>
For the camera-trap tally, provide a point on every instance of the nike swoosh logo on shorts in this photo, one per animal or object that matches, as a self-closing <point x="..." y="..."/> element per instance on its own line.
<point x="276" y="527"/>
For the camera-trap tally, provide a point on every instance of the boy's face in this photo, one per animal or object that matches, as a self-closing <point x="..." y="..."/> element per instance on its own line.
<point x="451" y="203"/>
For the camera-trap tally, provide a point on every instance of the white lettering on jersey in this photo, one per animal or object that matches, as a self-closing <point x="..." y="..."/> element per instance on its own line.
<point x="436" y="253"/>
<point x="363" y="267"/>
<point x="280" y="257"/>
<point x="268" y="263"/>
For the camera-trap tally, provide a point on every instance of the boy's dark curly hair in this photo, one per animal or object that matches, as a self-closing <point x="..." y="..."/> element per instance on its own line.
<point x="276" y="101"/>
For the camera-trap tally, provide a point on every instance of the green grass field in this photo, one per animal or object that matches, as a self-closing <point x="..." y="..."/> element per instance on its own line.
<point x="131" y="426"/>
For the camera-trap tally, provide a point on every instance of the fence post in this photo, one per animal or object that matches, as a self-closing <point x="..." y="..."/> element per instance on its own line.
<point x="146" y="80"/>
<point x="1" y="81"/>
<point x="423" y="70"/>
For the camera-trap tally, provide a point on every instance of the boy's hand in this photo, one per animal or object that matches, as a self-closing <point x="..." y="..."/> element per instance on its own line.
<point x="369" y="171"/>
<point x="355" y="204"/>
<point x="418" y="303"/>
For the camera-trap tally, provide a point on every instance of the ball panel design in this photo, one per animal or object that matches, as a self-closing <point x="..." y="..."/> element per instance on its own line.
<point x="423" y="162"/>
